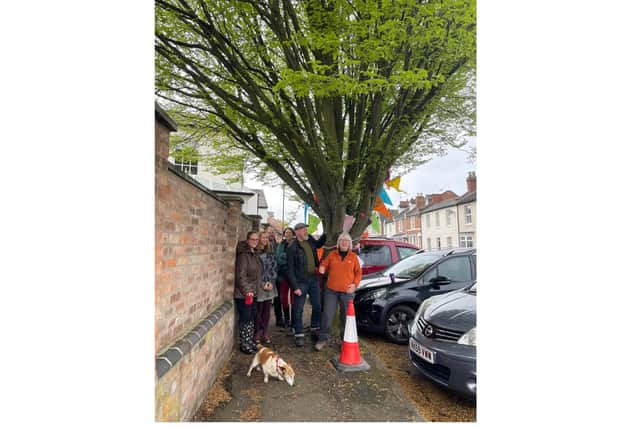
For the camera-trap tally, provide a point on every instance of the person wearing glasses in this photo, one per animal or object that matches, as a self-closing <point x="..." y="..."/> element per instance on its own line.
<point x="248" y="277"/>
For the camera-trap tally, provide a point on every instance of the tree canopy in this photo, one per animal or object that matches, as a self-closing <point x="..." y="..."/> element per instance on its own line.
<point x="328" y="95"/>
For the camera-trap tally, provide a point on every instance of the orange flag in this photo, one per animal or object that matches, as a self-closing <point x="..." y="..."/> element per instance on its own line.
<point x="380" y="207"/>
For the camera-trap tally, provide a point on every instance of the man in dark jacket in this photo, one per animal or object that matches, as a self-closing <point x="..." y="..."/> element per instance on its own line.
<point x="302" y="264"/>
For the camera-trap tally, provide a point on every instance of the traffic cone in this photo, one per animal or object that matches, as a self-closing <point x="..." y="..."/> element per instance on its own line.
<point x="350" y="360"/>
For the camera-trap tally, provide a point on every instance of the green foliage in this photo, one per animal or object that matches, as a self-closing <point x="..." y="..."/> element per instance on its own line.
<point x="327" y="96"/>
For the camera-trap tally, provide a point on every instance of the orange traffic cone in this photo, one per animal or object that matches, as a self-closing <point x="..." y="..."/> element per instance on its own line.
<point x="350" y="360"/>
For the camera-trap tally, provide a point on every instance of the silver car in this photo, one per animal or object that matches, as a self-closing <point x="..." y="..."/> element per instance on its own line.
<point x="442" y="343"/>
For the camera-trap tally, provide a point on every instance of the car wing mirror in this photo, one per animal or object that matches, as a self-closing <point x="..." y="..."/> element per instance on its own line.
<point x="439" y="280"/>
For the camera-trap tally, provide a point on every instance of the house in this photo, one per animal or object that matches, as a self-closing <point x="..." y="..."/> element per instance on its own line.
<point x="406" y="223"/>
<point x="450" y="223"/>
<point x="255" y="201"/>
<point x="467" y="220"/>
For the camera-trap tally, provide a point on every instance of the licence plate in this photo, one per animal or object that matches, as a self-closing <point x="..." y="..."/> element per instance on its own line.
<point x="421" y="351"/>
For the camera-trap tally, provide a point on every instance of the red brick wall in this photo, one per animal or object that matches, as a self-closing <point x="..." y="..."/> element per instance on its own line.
<point x="196" y="236"/>
<point x="195" y="241"/>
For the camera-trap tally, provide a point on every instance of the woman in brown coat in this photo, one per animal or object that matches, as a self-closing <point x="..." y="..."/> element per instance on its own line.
<point x="248" y="277"/>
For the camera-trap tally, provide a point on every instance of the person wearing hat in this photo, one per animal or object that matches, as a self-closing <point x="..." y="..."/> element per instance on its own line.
<point x="302" y="264"/>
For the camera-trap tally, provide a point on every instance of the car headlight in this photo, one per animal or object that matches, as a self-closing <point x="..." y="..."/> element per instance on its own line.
<point x="377" y="293"/>
<point x="469" y="338"/>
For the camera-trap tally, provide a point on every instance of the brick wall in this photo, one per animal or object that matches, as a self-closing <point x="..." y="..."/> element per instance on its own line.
<point x="195" y="240"/>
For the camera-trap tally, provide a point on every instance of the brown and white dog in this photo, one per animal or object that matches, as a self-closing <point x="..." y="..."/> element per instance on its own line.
<point x="271" y="364"/>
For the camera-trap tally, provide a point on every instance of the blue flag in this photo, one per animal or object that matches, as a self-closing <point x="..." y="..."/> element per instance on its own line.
<point x="385" y="197"/>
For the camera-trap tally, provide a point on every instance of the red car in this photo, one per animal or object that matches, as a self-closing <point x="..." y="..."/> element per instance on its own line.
<point x="378" y="253"/>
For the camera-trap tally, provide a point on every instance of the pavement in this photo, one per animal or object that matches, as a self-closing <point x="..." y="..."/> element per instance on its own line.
<point x="320" y="392"/>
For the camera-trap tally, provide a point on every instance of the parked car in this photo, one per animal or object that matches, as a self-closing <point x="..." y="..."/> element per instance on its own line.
<point x="442" y="345"/>
<point x="386" y="302"/>
<point x="380" y="252"/>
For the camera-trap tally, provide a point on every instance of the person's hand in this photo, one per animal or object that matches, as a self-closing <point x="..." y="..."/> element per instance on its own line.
<point x="321" y="269"/>
<point x="297" y="292"/>
<point x="351" y="288"/>
<point x="250" y="293"/>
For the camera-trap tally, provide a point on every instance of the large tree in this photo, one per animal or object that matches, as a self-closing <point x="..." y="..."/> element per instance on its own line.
<point x="329" y="95"/>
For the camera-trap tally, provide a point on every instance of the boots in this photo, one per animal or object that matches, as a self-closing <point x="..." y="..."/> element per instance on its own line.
<point x="246" y="338"/>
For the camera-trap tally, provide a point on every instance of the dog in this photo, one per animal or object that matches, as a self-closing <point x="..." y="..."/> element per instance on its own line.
<point x="271" y="365"/>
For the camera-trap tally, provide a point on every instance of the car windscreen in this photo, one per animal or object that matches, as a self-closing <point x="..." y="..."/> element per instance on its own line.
<point x="412" y="266"/>
<point x="375" y="255"/>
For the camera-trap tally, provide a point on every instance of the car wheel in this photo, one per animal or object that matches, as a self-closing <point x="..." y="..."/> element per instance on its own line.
<point x="396" y="325"/>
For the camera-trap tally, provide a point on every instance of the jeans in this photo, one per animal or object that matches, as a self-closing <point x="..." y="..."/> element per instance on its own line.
<point x="331" y="300"/>
<point x="309" y="286"/>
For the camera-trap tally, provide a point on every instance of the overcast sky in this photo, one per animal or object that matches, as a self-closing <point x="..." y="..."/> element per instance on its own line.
<point x="439" y="174"/>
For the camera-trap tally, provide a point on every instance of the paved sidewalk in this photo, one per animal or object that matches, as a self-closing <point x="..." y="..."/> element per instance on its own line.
<point x="320" y="393"/>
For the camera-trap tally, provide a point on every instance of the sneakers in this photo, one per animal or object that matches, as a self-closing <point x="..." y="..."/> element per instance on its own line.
<point x="299" y="341"/>
<point x="320" y="345"/>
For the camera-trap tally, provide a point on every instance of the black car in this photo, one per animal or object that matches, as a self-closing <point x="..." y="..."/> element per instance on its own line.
<point x="386" y="302"/>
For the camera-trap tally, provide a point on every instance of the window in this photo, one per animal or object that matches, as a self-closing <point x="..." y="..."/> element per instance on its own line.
<point x="456" y="269"/>
<point x="449" y="213"/>
<point x="428" y="220"/>
<point x="439" y="245"/>
<point x="467" y="214"/>
<point x="187" y="166"/>
<point x="437" y="219"/>
<point x="428" y="243"/>
<point x="375" y="255"/>
<point x="466" y="241"/>
<point x="449" y="241"/>
<point x="405" y="252"/>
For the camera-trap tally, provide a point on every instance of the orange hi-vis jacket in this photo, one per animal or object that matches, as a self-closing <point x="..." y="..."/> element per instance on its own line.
<point x="342" y="273"/>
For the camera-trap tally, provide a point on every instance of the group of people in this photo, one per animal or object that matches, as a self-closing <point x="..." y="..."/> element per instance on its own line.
<point x="280" y="272"/>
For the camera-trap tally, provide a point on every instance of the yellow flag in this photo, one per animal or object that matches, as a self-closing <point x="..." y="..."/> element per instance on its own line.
<point x="395" y="183"/>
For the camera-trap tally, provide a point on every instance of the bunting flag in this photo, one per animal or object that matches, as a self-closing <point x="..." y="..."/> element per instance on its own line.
<point x="313" y="223"/>
<point x="395" y="183"/>
<point x="385" y="197"/>
<point x="380" y="207"/>
<point x="375" y="223"/>
<point x="348" y="222"/>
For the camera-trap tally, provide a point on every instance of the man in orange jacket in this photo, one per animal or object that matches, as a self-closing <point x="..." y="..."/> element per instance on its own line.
<point x="343" y="268"/>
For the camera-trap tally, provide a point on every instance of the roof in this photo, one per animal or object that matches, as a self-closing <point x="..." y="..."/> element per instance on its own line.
<point x="164" y="118"/>
<point x="467" y="197"/>
<point x="440" y="205"/>
<point x="262" y="199"/>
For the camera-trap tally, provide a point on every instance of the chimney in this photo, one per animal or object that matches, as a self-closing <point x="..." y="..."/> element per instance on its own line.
<point x="471" y="182"/>
<point x="403" y="204"/>
<point x="420" y="201"/>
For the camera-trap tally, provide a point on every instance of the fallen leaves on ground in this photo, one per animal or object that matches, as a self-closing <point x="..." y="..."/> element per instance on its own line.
<point x="433" y="403"/>
<point x="251" y="414"/>
<point x="216" y="396"/>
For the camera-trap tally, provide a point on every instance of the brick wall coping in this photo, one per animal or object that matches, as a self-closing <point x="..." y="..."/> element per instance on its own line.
<point x="168" y="359"/>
